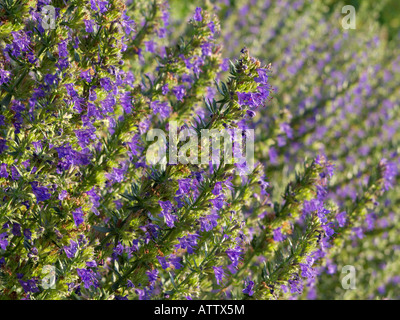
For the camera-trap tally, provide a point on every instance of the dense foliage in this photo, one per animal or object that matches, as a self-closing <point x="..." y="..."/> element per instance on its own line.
<point x="80" y="198"/>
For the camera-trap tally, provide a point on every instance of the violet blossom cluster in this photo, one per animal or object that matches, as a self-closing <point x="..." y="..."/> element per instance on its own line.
<point x="78" y="194"/>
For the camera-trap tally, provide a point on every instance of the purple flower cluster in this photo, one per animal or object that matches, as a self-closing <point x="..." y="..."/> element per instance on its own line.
<point x="169" y="218"/>
<point x="258" y="98"/>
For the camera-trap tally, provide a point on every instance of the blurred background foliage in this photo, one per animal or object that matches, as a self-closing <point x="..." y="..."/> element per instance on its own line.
<point x="387" y="12"/>
<point x="343" y="86"/>
<point x="336" y="94"/>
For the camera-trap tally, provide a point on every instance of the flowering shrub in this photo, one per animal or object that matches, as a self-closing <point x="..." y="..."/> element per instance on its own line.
<point x="337" y="95"/>
<point x="85" y="215"/>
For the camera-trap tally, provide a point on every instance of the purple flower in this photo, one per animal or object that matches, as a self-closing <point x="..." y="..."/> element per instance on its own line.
<point x="3" y="170"/>
<point x="321" y="214"/>
<point x="330" y="168"/>
<point x="89" y="278"/>
<point x="50" y="79"/>
<point x="169" y="219"/>
<point x="126" y="102"/>
<point x="127" y="23"/>
<point x="273" y="156"/>
<point x="218" y="202"/>
<point x="152" y="275"/>
<point x="219" y="274"/>
<point x="307" y="271"/>
<point x="358" y="232"/>
<point x="130" y="284"/>
<point x="108" y="103"/>
<point x="93" y="111"/>
<point x="62" y="49"/>
<point x="381" y="289"/>
<point x="296" y="286"/>
<point x="16" y="229"/>
<point x="135" y="146"/>
<point x="134" y="247"/>
<point x="179" y="92"/>
<point x="162" y="108"/>
<point x="3" y="146"/>
<point x="29" y="286"/>
<point x="331" y="267"/>
<point x="15" y="173"/>
<point x="321" y="193"/>
<point x="165" y="89"/>
<point x="63" y="194"/>
<point x="41" y="193"/>
<point x="328" y="229"/>
<point x="197" y="14"/>
<point x="208" y="222"/>
<point x="225" y="64"/>
<point x="94" y="198"/>
<point x="78" y="216"/>
<point x="163" y="262"/>
<point x="206" y="49"/>
<point x="250" y="99"/>
<point x="166" y="213"/>
<point x="89" y="25"/>
<point x="263" y="186"/>
<point x="102" y="6"/>
<point x="370" y="220"/>
<point x="92" y="95"/>
<point x="234" y="255"/>
<point x="278" y="236"/>
<point x="26" y="164"/>
<point x="389" y="174"/>
<point x="150" y="46"/>
<point x="249" y="288"/>
<point x="311" y="206"/>
<point x="93" y="5"/>
<point x="4" y="76"/>
<point x="71" y="157"/>
<point x="86" y="75"/>
<point x="211" y="25"/>
<point x="70" y="89"/>
<point x="85" y="136"/>
<point x="62" y="64"/>
<point x="143" y="294"/>
<point x="251" y="113"/>
<point x="285" y="127"/>
<point x="37" y="145"/>
<point x="341" y="218"/>
<point x="185" y="185"/>
<point x="20" y="43"/>
<point x="217" y="188"/>
<point x="106" y="84"/>
<point x="117" y="175"/>
<point x="189" y="242"/>
<point x="28" y="234"/>
<point x="70" y="250"/>
<point x="3" y="240"/>
<point x="175" y="261"/>
<point x="118" y="250"/>
<point x="165" y="17"/>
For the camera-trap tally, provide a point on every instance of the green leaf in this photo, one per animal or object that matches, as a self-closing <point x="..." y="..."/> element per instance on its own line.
<point x="102" y="229"/>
